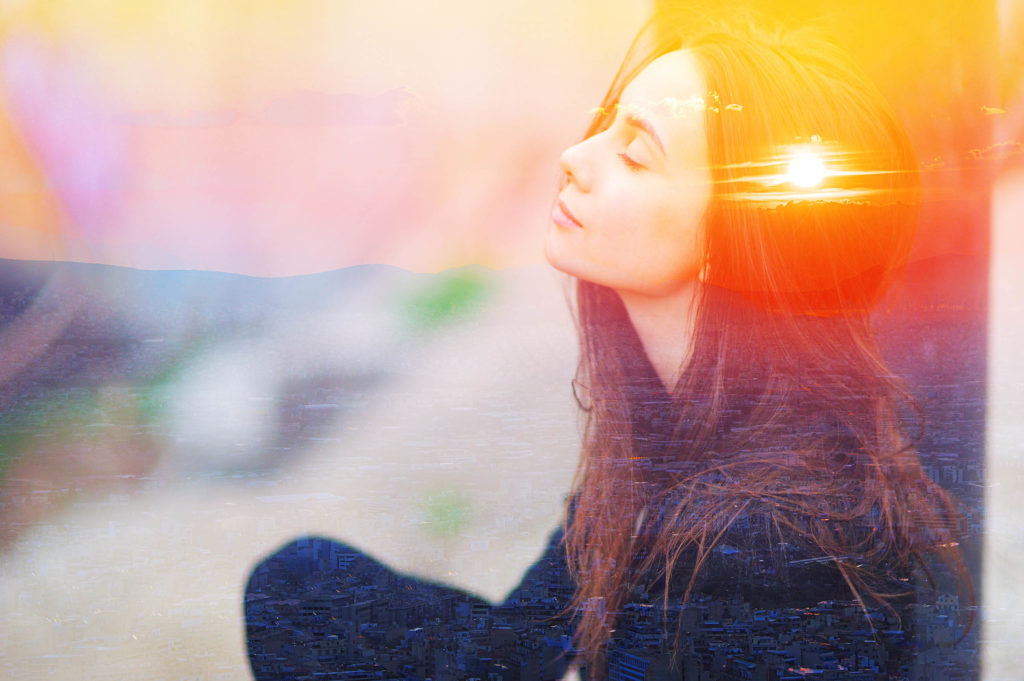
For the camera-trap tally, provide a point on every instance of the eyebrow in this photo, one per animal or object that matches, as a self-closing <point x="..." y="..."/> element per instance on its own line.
<point x="636" y="122"/>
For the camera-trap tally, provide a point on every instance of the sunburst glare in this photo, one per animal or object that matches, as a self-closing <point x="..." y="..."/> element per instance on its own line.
<point x="806" y="169"/>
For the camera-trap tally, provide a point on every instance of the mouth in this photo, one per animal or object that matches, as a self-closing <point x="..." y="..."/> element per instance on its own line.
<point x="563" y="217"/>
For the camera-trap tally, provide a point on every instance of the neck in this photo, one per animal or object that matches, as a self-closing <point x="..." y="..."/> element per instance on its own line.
<point x="665" y="326"/>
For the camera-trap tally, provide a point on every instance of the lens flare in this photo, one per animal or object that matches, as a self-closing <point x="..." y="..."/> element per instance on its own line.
<point x="806" y="170"/>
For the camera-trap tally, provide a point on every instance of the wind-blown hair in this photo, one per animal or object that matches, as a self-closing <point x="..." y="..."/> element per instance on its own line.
<point x="785" y="409"/>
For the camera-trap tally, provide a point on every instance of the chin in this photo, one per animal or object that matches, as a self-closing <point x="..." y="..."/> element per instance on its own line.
<point x="564" y="256"/>
<point x="574" y="268"/>
<point x="554" y="258"/>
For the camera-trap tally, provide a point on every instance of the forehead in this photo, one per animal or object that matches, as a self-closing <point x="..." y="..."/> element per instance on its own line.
<point x="675" y="74"/>
<point x="669" y="93"/>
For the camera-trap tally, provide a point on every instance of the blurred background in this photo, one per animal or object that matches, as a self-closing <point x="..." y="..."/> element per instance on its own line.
<point x="273" y="269"/>
<point x="278" y="140"/>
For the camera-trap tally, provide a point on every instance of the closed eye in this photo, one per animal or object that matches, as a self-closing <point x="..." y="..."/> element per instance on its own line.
<point x="630" y="163"/>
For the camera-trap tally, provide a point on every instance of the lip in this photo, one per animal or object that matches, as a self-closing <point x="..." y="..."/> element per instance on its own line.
<point x="563" y="217"/>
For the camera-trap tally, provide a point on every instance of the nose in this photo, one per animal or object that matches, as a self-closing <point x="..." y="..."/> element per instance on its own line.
<point x="574" y="165"/>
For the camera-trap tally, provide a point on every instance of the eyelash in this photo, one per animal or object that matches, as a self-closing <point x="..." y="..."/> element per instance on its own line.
<point x="630" y="163"/>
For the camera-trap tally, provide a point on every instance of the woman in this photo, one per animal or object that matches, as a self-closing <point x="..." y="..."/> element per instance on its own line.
<point x="742" y="198"/>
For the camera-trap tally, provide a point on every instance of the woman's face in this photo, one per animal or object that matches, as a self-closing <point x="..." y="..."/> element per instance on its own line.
<point x="630" y="211"/>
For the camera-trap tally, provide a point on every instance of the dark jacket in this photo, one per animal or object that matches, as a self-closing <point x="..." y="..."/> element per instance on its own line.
<point x="319" y="609"/>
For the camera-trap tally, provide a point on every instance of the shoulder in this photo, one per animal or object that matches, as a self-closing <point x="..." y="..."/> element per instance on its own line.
<point x="314" y="567"/>
<point x="319" y="606"/>
<point x="309" y="555"/>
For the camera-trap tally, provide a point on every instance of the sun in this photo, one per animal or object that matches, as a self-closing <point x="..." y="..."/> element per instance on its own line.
<point x="806" y="169"/>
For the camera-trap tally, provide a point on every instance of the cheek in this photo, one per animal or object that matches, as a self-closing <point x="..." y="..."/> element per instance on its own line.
<point x="677" y="220"/>
<point x="674" y="237"/>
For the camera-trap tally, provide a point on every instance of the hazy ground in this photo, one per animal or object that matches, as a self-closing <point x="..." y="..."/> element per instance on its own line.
<point x="447" y="449"/>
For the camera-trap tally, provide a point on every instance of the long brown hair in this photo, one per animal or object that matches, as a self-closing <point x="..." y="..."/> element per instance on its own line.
<point x="785" y="408"/>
